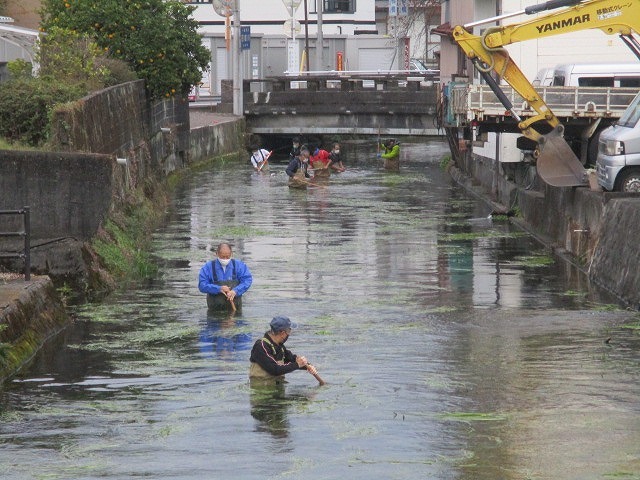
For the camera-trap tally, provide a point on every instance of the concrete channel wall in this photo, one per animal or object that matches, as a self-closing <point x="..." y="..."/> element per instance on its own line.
<point x="599" y="230"/>
<point x="30" y="313"/>
<point x="108" y="145"/>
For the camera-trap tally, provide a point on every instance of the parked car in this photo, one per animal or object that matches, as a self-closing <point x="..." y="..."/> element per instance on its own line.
<point x="618" y="163"/>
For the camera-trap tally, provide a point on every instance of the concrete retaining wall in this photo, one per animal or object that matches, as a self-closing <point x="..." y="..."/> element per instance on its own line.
<point x="598" y="229"/>
<point x="214" y="140"/>
<point x="69" y="194"/>
<point x="615" y="263"/>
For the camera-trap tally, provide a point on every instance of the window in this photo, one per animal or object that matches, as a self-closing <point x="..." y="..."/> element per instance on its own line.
<point x="339" y="6"/>
<point x="630" y="82"/>
<point x="632" y="114"/>
<point x="595" y="82"/>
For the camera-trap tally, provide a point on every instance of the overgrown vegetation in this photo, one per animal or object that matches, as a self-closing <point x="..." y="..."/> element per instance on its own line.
<point x="123" y="244"/>
<point x="156" y="38"/>
<point x="445" y="162"/>
<point x="4" y="347"/>
<point x="26" y="105"/>
<point x="90" y="45"/>
<point x="71" y="65"/>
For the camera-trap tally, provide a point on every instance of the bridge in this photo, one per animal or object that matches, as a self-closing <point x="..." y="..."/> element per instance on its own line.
<point x="342" y="103"/>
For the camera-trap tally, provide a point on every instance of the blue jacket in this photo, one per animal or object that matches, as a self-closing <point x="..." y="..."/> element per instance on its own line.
<point x="236" y="270"/>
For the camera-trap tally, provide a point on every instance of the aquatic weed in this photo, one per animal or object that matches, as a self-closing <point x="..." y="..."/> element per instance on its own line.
<point x="472" y="417"/>
<point x="453" y="237"/>
<point x="238" y="231"/>
<point x="533" y="261"/>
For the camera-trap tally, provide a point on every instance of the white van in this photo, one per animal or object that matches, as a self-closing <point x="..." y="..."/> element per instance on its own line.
<point x="597" y="75"/>
<point x="618" y="164"/>
<point x="544" y="78"/>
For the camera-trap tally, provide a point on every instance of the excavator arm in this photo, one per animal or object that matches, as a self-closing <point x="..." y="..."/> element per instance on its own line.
<point x="557" y="164"/>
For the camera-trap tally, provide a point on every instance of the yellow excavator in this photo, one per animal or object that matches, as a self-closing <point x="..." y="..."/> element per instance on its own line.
<point x="556" y="162"/>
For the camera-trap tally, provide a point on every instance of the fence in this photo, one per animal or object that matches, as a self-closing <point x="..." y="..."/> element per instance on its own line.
<point x="26" y="233"/>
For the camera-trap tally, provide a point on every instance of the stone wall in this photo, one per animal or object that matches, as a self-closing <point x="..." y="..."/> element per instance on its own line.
<point x="153" y="136"/>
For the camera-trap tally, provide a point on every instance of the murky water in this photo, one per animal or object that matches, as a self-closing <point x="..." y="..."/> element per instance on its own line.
<point x="454" y="347"/>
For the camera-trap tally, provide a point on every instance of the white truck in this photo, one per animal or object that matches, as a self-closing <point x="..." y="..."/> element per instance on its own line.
<point x="618" y="163"/>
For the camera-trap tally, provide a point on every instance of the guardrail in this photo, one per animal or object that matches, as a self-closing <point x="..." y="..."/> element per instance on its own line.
<point x="475" y="102"/>
<point x="342" y="80"/>
<point x="26" y="233"/>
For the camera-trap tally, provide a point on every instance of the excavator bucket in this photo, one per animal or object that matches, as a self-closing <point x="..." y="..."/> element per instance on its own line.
<point x="557" y="164"/>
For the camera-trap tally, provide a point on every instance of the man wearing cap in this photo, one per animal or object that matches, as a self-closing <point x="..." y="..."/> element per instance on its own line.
<point x="224" y="280"/>
<point x="269" y="357"/>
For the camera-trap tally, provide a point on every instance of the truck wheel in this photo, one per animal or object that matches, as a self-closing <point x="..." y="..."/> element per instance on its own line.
<point x="630" y="181"/>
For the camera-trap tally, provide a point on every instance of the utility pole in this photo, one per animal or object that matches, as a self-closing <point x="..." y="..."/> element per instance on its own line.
<point x="319" y="38"/>
<point x="236" y="53"/>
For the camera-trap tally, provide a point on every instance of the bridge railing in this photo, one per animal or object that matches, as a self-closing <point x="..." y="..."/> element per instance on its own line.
<point x="345" y="81"/>
<point x="25" y="233"/>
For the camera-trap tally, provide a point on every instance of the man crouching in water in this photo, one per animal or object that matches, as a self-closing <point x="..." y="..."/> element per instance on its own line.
<point x="269" y="357"/>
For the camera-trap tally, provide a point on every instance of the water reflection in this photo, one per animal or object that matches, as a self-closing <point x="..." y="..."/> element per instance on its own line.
<point x="270" y="405"/>
<point x="223" y="334"/>
<point x="453" y="346"/>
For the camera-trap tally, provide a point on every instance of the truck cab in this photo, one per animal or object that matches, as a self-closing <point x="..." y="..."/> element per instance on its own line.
<point x="618" y="162"/>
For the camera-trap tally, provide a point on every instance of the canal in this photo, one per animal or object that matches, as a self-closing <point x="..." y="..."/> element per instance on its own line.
<point x="454" y="346"/>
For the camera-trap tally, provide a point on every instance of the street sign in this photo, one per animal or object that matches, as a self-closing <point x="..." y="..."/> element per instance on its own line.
<point x="393" y="8"/>
<point x="224" y="8"/>
<point x="245" y="38"/>
<point x="291" y="5"/>
<point x="403" y="8"/>
<point x="287" y="27"/>
<point x="293" y="56"/>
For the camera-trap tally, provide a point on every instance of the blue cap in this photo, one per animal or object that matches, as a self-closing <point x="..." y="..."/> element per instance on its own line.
<point x="280" y="324"/>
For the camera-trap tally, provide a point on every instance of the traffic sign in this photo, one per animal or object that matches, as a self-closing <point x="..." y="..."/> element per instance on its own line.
<point x="245" y="37"/>
<point x="287" y="27"/>
<point x="291" y="5"/>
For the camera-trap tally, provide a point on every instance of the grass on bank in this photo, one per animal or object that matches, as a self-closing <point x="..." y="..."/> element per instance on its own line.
<point x="123" y="244"/>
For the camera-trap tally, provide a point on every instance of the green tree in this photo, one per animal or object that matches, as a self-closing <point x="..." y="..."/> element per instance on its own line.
<point x="157" y="38"/>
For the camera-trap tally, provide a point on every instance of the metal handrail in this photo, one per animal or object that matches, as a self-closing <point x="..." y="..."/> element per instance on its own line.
<point x="26" y="233"/>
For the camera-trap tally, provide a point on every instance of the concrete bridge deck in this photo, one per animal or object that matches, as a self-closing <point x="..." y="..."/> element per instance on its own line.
<point x="341" y="104"/>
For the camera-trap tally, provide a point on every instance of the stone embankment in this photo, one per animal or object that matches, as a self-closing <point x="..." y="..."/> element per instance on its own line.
<point x="30" y="313"/>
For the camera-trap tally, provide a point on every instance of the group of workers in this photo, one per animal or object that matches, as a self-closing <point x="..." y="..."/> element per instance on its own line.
<point x="321" y="162"/>
<point x="302" y="159"/>
<point x="225" y="280"/>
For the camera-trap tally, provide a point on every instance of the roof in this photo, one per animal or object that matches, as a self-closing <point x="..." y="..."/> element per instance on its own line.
<point x="22" y="37"/>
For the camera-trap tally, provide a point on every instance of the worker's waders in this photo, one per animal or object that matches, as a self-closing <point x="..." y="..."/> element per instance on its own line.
<point x="219" y="301"/>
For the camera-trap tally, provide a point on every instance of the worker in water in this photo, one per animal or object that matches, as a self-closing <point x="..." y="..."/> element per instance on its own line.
<point x="336" y="158"/>
<point x="295" y="149"/>
<point x="320" y="161"/>
<point x="259" y="158"/>
<point x="391" y="150"/>
<point x="297" y="169"/>
<point x="270" y="359"/>
<point x="224" y="280"/>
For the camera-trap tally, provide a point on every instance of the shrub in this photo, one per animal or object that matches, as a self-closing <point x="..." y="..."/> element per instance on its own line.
<point x="26" y="104"/>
